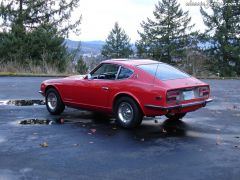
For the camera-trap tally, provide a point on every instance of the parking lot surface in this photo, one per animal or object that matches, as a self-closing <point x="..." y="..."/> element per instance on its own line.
<point x="82" y="145"/>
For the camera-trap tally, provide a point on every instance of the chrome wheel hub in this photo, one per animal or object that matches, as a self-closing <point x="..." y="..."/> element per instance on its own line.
<point x="125" y="112"/>
<point x="52" y="101"/>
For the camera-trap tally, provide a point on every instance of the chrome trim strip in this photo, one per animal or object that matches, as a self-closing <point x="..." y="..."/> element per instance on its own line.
<point x="203" y="103"/>
<point x="209" y="100"/>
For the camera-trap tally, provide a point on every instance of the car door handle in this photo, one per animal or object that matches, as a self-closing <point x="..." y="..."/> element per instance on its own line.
<point x="105" y="88"/>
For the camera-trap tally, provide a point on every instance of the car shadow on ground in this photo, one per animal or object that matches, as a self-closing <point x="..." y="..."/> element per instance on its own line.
<point x="162" y="129"/>
<point x="151" y="128"/>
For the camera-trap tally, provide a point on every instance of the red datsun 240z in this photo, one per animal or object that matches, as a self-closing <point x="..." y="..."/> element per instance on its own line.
<point x="130" y="90"/>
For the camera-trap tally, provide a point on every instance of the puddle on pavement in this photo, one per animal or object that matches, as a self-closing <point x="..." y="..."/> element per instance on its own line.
<point x="22" y="102"/>
<point x="35" y="121"/>
<point x="61" y="120"/>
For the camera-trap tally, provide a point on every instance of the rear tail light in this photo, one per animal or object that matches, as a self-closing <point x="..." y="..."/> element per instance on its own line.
<point x="188" y="94"/>
<point x="173" y="96"/>
<point x="204" y="91"/>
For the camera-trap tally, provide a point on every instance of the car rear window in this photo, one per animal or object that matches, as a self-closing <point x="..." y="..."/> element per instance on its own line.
<point x="163" y="71"/>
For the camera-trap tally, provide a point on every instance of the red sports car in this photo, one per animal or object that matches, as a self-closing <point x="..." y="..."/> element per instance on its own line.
<point x="130" y="90"/>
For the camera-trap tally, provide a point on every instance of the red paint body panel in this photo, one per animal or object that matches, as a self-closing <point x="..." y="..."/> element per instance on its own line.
<point x="145" y="89"/>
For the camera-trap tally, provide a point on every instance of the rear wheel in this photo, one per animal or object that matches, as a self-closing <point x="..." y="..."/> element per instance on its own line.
<point x="54" y="102"/>
<point x="128" y="113"/>
<point x="176" y="116"/>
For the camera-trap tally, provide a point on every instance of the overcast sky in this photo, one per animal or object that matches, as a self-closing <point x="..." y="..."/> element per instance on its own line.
<point x="99" y="17"/>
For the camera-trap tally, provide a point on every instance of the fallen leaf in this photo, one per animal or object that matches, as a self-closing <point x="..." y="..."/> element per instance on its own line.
<point x="44" y="145"/>
<point x="164" y="131"/>
<point x="61" y="120"/>
<point x="93" y="130"/>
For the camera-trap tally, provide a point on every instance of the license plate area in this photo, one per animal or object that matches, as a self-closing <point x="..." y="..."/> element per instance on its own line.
<point x="188" y="95"/>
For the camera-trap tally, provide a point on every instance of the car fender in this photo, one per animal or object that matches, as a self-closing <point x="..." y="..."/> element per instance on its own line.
<point x="48" y="86"/>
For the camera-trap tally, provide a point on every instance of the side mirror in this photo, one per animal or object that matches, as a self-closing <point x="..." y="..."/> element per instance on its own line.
<point x="89" y="76"/>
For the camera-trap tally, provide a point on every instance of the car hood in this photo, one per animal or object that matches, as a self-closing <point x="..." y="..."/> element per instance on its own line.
<point x="66" y="79"/>
<point x="182" y="83"/>
<point x="76" y="77"/>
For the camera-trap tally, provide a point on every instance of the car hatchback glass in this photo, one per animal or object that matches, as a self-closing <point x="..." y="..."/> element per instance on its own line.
<point x="163" y="71"/>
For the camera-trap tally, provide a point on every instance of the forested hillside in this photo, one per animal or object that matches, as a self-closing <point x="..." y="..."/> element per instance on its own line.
<point x="34" y="38"/>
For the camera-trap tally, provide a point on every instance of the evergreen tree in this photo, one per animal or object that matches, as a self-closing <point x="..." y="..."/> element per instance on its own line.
<point x="81" y="66"/>
<point x="34" y="31"/>
<point x="165" y="37"/>
<point x="45" y="46"/>
<point x="77" y="60"/>
<point x="26" y="15"/>
<point x="223" y="30"/>
<point x="117" y="44"/>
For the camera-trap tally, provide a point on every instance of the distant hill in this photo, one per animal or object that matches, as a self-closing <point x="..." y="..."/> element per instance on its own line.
<point x="87" y="47"/>
<point x="93" y="48"/>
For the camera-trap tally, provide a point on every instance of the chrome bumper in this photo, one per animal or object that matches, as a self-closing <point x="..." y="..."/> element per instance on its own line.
<point x="203" y="103"/>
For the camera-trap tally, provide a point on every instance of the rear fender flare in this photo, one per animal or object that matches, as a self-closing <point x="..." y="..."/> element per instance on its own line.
<point x="129" y="95"/>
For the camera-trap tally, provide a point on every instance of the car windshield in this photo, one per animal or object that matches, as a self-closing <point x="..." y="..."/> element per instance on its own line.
<point x="163" y="71"/>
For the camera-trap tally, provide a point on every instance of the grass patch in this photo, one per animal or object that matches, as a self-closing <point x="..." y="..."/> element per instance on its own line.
<point x="13" y="68"/>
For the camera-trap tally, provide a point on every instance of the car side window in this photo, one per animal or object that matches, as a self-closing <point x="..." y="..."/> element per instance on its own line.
<point x="106" y="71"/>
<point x="124" y="73"/>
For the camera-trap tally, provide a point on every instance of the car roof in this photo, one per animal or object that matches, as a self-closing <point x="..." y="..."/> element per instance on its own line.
<point x="131" y="62"/>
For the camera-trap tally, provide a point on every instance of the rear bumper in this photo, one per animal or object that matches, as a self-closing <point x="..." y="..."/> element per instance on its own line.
<point x="180" y="106"/>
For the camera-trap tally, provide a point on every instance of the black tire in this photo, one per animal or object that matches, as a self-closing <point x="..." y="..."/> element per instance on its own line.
<point x="127" y="113"/>
<point x="176" y="116"/>
<point x="57" y="107"/>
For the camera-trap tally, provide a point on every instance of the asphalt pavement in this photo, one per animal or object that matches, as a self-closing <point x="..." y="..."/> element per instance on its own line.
<point x="205" y="145"/>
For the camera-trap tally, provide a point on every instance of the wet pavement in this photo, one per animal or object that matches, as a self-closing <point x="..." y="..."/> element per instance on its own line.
<point x="83" y="145"/>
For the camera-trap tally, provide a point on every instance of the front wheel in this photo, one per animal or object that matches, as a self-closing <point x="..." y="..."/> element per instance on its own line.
<point x="54" y="102"/>
<point x="128" y="113"/>
<point x="176" y="116"/>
